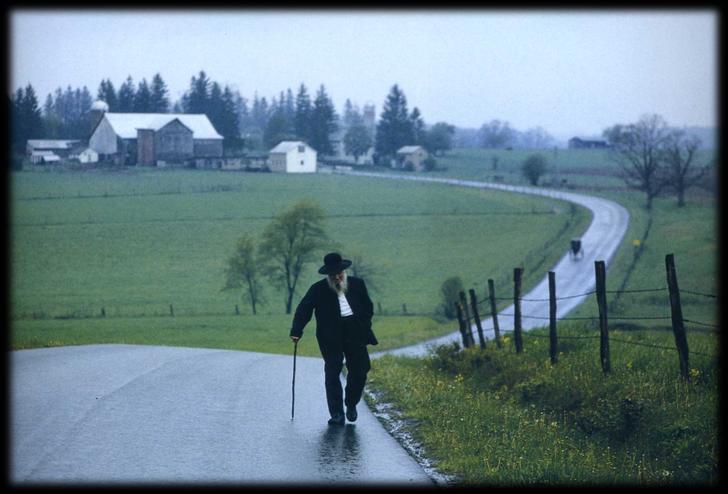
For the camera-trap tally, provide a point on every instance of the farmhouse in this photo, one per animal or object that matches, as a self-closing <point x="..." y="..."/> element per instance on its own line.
<point x="292" y="157"/>
<point x="578" y="143"/>
<point x="411" y="157"/>
<point x="151" y="139"/>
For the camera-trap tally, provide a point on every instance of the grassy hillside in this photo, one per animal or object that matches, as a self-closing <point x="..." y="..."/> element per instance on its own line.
<point x="135" y="242"/>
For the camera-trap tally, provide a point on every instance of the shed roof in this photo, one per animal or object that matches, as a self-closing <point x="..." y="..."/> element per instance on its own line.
<point x="126" y="124"/>
<point x="52" y="143"/>
<point x="285" y="146"/>
<point x="408" y="149"/>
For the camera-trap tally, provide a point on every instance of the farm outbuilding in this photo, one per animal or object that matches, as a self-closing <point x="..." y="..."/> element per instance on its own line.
<point x="411" y="156"/>
<point x="579" y="143"/>
<point x="148" y="138"/>
<point x="59" y="147"/>
<point x="292" y="157"/>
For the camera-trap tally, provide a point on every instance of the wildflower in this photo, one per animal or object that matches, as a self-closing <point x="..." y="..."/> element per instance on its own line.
<point x="694" y="373"/>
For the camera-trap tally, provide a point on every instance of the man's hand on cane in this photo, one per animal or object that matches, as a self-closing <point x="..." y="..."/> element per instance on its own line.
<point x="295" y="339"/>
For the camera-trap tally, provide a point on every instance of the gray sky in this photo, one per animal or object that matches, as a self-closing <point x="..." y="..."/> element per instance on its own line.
<point x="570" y="72"/>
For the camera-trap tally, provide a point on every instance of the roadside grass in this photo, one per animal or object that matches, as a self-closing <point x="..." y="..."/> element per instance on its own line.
<point x="495" y="417"/>
<point x="133" y="243"/>
<point x="267" y="334"/>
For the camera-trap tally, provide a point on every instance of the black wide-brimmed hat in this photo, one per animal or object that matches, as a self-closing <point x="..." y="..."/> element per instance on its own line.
<point x="333" y="263"/>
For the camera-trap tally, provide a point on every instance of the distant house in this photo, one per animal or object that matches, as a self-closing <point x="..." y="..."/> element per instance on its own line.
<point x="292" y="157"/>
<point x="412" y="157"/>
<point x="578" y="143"/>
<point x="62" y="148"/>
<point x="151" y="139"/>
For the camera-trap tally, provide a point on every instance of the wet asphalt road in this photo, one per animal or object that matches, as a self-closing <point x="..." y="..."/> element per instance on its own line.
<point x="132" y="414"/>
<point x="126" y="414"/>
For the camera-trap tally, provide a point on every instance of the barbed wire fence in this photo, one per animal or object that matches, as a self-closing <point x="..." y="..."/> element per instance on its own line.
<point x="468" y="315"/>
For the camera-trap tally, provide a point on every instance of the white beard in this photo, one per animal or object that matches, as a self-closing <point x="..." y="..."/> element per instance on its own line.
<point x="342" y="287"/>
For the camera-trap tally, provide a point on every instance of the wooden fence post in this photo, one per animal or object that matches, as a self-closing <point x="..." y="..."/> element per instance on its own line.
<point x="404" y="309"/>
<point x="237" y="310"/>
<point x="476" y="316"/>
<point x="379" y="306"/>
<point x="601" y="280"/>
<point x="466" y="317"/>
<point x="678" y="328"/>
<point x="494" y="314"/>
<point x="517" y="337"/>
<point x="461" y="323"/>
<point x="171" y="310"/>
<point x="553" y="342"/>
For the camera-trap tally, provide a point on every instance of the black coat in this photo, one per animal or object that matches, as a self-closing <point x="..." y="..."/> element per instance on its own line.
<point x="321" y="300"/>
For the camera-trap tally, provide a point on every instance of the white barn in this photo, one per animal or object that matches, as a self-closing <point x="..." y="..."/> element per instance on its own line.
<point x="292" y="157"/>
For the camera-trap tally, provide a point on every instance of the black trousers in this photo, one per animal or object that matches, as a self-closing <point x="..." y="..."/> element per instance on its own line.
<point x="351" y="348"/>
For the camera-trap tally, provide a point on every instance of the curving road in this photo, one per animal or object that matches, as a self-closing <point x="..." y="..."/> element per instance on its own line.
<point x="130" y="415"/>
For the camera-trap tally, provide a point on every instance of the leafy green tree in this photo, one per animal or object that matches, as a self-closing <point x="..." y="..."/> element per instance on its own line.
<point x="290" y="242"/>
<point x="394" y="129"/>
<point x="126" y="96"/>
<point x="357" y="141"/>
<point x="439" y="138"/>
<point x="450" y="293"/>
<point x="534" y="166"/>
<point x="243" y="270"/>
<point x="323" y="123"/>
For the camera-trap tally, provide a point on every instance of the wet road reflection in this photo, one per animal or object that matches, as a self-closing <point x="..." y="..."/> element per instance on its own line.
<point x="340" y="455"/>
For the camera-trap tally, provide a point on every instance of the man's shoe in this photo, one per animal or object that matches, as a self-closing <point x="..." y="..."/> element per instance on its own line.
<point x="351" y="413"/>
<point x="337" y="419"/>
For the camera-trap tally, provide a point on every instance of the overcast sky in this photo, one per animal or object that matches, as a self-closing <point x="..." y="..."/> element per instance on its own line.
<point x="570" y="72"/>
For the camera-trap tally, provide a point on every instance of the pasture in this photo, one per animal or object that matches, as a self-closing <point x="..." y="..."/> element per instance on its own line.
<point x="134" y="242"/>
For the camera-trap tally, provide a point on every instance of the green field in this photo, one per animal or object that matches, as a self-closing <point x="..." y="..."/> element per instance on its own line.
<point x="134" y="242"/>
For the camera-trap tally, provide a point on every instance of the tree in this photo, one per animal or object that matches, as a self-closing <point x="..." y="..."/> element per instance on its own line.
<point x="418" y="127"/>
<point x="394" y="129"/>
<point x="450" y="292"/>
<point x="639" y="151"/>
<point x="159" y="102"/>
<point x="533" y="167"/>
<point x="277" y="129"/>
<point x="143" y="98"/>
<point x="290" y="242"/>
<point x="366" y="271"/>
<point x="439" y="138"/>
<point x="243" y="269"/>
<point x="25" y="122"/>
<point x="496" y="135"/>
<point x="197" y="97"/>
<point x="302" y="119"/>
<point x="357" y="141"/>
<point x="323" y="123"/>
<point x="682" y="170"/>
<point x="535" y="138"/>
<point x="107" y="94"/>
<point x="126" y="96"/>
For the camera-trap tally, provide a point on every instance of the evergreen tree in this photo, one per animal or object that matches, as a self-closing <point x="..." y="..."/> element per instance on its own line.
<point x="51" y="121"/>
<point x="276" y="129"/>
<point x="159" y="98"/>
<point x="395" y="127"/>
<point x="289" y="110"/>
<point x="323" y="120"/>
<point x="196" y="99"/>
<point x="229" y="122"/>
<point x="215" y="110"/>
<point x="25" y="121"/>
<point x="126" y="96"/>
<point x="143" y="98"/>
<point x="107" y="94"/>
<point x="260" y="111"/>
<point x="302" y="119"/>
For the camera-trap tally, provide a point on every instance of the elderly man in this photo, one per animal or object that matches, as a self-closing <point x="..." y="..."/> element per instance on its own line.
<point x="343" y="330"/>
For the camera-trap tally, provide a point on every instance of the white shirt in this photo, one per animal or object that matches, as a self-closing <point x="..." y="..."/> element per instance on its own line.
<point x="344" y="306"/>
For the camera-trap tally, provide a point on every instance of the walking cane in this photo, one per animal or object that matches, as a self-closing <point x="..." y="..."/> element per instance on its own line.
<point x="293" y="386"/>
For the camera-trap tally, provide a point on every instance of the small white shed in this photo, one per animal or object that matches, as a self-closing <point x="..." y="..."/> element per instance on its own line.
<point x="292" y="157"/>
<point x="88" y="155"/>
